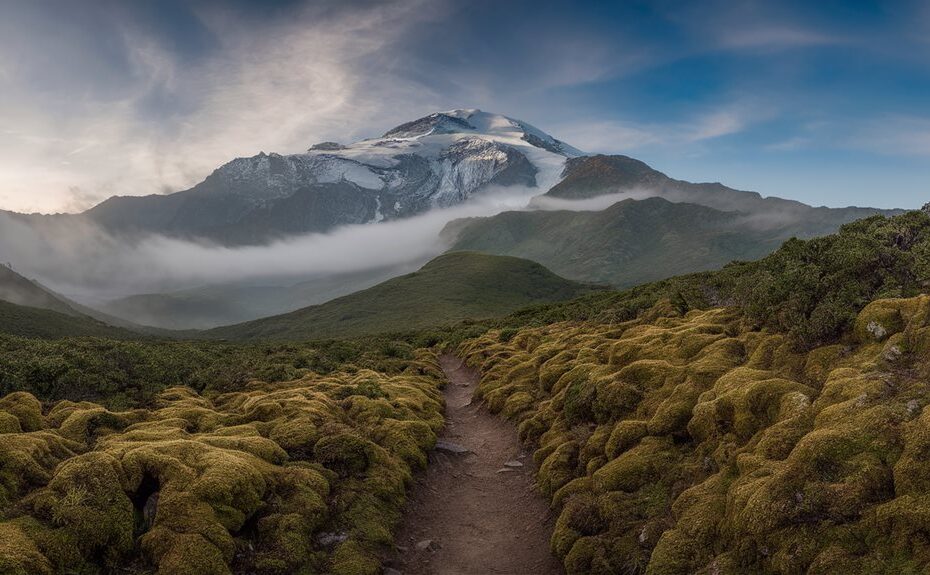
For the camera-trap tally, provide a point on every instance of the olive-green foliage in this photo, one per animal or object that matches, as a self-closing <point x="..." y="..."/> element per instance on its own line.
<point x="242" y="481"/>
<point x="129" y="373"/>
<point x="810" y="290"/>
<point x="682" y="443"/>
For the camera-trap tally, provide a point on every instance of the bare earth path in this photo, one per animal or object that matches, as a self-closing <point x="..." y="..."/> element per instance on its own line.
<point x="480" y="520"/>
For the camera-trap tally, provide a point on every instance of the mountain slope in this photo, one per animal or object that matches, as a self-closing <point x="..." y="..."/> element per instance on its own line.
<point x="450" y="288"/>
<point x="636" y="240"/>
<point x="19" y="290"/>
<point x="592" y="176"/>
<point x="34" y="322"/>
<point x="211" y="306"/>
<point x="770" y="417"/>
<point x="437" y="161"/>
<point x="629" y="243"/>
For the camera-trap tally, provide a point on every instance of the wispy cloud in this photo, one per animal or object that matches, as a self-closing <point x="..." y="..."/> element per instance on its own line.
<point x="630" y="135"/>
<point x="79" y="258"/>
<point x="894" y="135"/>
<point x="775" y="37"/>
<point x="320" y="74"/>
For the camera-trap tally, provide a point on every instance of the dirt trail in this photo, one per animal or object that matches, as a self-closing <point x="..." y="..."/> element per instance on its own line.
<point x="481" y="520"/>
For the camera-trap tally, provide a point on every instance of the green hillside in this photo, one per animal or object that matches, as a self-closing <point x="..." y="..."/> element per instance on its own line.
<point x="810" y="290"/>
<point x="450" y="288"/>
<point x="19" y="290"/>
<point x="771" y="417"/>
<point x="638" y="241"/>
<point x="629" y="243"/>
<point x="217" y="305"/>
<point x="27" y="321"/>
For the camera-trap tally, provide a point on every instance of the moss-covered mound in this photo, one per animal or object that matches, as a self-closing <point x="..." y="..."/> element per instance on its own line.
<point x="305" y="476"/>
<point x="690" y="444"/>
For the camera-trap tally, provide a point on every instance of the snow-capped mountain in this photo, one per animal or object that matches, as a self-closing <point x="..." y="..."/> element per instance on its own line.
<point x="436" y="161"/>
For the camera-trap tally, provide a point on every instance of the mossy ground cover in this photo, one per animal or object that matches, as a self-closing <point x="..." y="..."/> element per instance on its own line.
<point x="682" y="443"/>
<point x="301" y="476"/>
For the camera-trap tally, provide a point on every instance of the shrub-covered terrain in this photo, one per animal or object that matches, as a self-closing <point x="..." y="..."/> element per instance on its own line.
<point x="122" y="374"/>
<point x="302" y="476"/>
<point x="678" y="444"/>
<point x="810" y="290"/>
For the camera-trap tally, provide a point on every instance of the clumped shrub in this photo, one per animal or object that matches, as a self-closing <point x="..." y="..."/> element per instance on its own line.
<point x="243" y="481"/>
<point x="699" y="443"/>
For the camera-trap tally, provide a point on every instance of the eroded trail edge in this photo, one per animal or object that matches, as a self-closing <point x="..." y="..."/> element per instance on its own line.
<point x="475" y="513"/>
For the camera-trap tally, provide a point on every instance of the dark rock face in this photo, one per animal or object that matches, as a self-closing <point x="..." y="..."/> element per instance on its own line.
<point x="327" y="146"/>
<point x="554" y="146"/>
<point x="434" y="123"/>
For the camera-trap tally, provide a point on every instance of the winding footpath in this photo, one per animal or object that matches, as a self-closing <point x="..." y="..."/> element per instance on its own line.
<point x="474" y="512"/>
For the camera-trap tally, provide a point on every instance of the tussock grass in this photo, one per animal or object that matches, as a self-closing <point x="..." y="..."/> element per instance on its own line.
<point x="242" y="481"/>
<point x="682" y="443"/>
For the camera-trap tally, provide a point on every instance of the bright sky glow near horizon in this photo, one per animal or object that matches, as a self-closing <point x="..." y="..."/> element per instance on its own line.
<point x="825" y="102"/>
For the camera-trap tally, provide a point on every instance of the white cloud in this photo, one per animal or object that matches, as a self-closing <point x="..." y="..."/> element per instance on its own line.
<point x="278" y="88"/>
<point x="80" y="259"/>
<point x="627" y="136"/>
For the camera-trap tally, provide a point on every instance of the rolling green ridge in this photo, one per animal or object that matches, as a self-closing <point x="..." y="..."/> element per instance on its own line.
<point x="19" y="290"/>
<point x="42" y="323"/>
<point x="810" y="290"/>
<point x="681" y="227"/>
<point x="217" y="305"/>
<point x="629" y="243"/>
<point x="450" y="288"/>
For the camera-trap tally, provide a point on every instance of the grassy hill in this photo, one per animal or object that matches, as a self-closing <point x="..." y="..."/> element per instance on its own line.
<point x="19" y="290"/>
<point x="450" y="288"/>
<point x="629" y="243"/>
<point x="770" y="417"/>
<point x="25" y="299"/>
<point x="217" y="305"/>
<point x="27" y="321"/>
<point x="809" y="290"/>
<point x="681" y="227"/>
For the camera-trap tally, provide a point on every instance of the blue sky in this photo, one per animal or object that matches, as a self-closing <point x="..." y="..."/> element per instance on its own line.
<point x="826" y="102"/>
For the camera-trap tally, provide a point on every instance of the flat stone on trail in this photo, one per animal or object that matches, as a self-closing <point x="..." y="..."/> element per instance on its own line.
<point x="513" y="463"/>
<point x="505" y="470"/>
<point x="427" y="545"/>
<point x="391" y="571"/>
<point x="450" y="447"/>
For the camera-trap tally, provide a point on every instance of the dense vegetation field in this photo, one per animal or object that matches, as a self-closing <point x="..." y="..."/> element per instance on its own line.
<point x="305" y="475"/>
<point x="675" y="444"/>
<point x="123" y="374"/>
